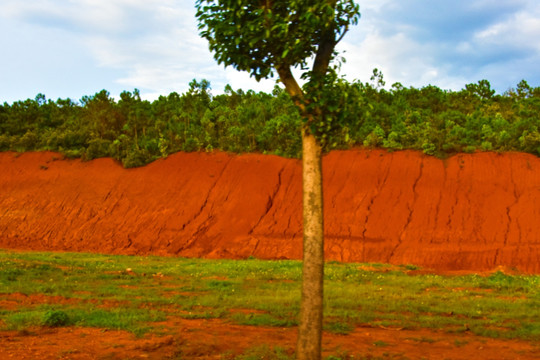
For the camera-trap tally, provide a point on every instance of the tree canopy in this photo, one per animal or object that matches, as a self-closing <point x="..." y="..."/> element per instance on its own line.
<point x="260" y="36"/>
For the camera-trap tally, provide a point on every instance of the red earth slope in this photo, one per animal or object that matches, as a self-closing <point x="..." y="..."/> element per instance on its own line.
<point x="470" y="212"/>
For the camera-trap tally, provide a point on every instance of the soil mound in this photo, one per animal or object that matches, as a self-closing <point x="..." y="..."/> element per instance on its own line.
<point x="470" y="212"/>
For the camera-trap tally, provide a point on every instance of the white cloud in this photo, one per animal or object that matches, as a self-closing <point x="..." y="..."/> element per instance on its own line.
<point x="400" y="59"/>
<point x="446" y="45"/>
<point x="155" y="46"/>
<point x="242" y="80"/>
<point x="93" y="16"/>
<point x="520" y="30"/>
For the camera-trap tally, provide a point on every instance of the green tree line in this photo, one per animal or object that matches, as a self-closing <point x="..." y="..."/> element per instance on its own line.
<point x="136" y="132"/>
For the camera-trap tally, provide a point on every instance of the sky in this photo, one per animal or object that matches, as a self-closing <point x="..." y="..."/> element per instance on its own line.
<point x="71" y="48"/>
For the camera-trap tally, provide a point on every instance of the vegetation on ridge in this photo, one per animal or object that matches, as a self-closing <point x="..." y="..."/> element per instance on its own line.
<point x="136" y="132"/>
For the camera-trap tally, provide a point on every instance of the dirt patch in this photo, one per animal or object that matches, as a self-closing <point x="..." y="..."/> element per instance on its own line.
<point x="82" y="343"/>
<point x="472" y="212"/>
<point x="216" y="339"/>
<point x="16" y="300"/>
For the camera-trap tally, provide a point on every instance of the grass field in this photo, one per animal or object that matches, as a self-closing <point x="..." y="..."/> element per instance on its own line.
<point x="135" y="293"/>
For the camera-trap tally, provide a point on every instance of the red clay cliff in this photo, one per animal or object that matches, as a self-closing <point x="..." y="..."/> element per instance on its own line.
<point x="470" y="212"/>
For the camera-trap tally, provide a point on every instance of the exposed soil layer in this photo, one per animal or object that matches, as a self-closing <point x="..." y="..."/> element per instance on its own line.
<point x="470" y="212"/>
<point x="216" y="339"/>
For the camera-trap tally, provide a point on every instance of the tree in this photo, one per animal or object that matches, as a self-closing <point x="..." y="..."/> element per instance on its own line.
<point x="264" y="36"/>
<point x="482" y="89"/>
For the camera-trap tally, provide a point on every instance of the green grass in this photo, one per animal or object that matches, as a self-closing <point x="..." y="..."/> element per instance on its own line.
<point x="100" y="291"/>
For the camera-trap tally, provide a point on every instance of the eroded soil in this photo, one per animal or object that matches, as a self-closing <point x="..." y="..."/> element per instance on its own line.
<point x="470" y="212"/>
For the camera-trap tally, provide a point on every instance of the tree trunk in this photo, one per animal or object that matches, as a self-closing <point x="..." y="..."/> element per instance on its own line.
<point x="311" y="312"/>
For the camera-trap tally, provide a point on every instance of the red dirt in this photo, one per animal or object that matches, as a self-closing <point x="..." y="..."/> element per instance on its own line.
<point x="216" y="339"/>
<point x="471" y="212"/>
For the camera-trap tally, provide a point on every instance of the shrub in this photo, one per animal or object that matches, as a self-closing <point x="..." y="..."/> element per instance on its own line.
<point x="136" y="158"/>
<point x="55" y="318"/>
<point x="98" y="148"/>
<point x="29" y="141"/>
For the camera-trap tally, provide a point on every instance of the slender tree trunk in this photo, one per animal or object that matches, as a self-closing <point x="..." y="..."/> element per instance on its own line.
<point x="308" y="346"/>
<point x="311" y="313"/>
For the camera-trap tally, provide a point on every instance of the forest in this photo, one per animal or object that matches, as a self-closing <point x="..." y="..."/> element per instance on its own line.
<point x="135" y="131"/>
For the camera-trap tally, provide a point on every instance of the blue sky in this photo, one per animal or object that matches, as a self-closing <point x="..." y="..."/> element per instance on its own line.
<point x="71" y="48"/>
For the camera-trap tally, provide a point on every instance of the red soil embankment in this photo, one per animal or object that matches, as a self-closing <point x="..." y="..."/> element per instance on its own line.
<point x="469" y="212"/>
